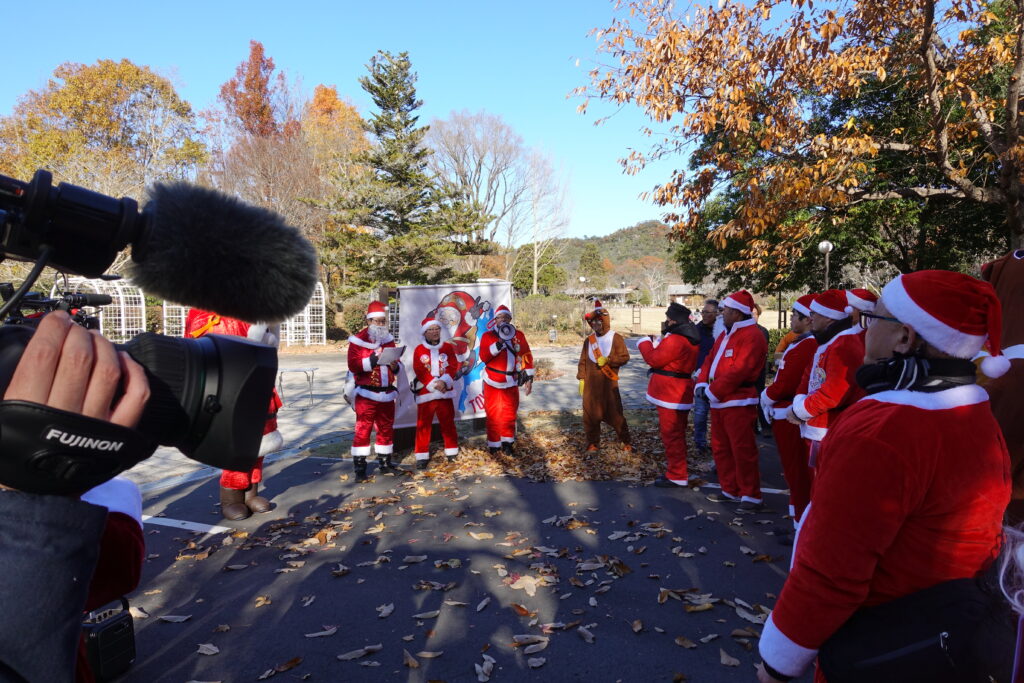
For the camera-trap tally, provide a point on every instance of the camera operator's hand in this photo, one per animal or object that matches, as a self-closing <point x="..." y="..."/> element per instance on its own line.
<point x="67" y="367"/>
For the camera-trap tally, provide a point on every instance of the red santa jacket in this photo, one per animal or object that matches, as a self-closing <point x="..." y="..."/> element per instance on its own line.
<point x="789" y="375"/>
<point x="895" y="511"/>
<point x="829" y="384"/>
<point x="500" y="363"/>
<point x="431" y="363"/>
<point x="734" y="365"/>
<point x="360" y="352"/>
<point x="675" y="354"/>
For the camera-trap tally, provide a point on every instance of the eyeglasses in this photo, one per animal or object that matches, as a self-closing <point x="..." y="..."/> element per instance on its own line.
<point x="867" y="318"/>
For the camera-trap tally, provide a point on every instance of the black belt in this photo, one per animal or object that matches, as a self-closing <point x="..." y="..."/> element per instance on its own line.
<point x="668" y="373"/>
<point x="370" y="387"/>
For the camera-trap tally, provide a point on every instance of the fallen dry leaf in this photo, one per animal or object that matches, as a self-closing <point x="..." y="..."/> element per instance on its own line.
<point x="483" y="603"/>
<point x="289" y="665"/>
<point x="385" y="610"/>
<point x="430" y="655"/>
<point x="409" y="660"/>
<point x="728" y="660"/>
<point x="235" y="567"/>
<point x="638" y="626"/>
<point x="698" y="608"/>
<point x="683" y="641"/>
<point x="262" y="600"/>
<point x="361" y="652"/>
<point x="328" y="631"/>
<point x="482" y="535"/>
<point x="222" y="628"/>
<point x="413" y="559"/>
<point x="585" y="634"/>
<point x="536" y="662"/>
<point x="307" y="600"/>
<point x="174" y="618"/>
<point x="208" y="649"/>
<point x="708" y="638"/>
<point x="427" y="615"/>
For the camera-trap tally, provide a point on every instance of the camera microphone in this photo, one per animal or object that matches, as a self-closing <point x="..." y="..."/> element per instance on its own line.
<point x="214" y="252"/>
<point x="191" y="245"/>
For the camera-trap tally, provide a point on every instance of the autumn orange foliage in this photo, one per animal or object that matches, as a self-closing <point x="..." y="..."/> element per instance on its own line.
<point x="739" y="78"/>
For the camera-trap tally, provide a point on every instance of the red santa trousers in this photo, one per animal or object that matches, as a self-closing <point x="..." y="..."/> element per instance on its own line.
<point x="240" y="481"/>
<point x="444" y="409"/>
<point x="672" y="423"/>
<point x="501" y="406"/>
<point x="793" y="453"/>
<point x="370" y="415"/>
<point x="735" y="451"/>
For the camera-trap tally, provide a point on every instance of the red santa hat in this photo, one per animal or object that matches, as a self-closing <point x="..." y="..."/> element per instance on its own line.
<point x="502" y="310"/>
<point x="803" y="305"/>
<point x="599" y="309"/>
<point x="832" y="304"/>
<point x="376" y="309"/>
<point x="953" y="312"/>
<point x="861" y="299"/>
<point x="429" y="321"/>
<point x="742" y="301"/>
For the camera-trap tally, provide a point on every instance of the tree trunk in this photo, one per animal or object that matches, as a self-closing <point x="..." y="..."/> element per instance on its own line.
<point x="536" y="258"/>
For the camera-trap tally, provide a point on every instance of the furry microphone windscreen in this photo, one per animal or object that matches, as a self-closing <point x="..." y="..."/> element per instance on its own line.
<point x="208" y="250"/>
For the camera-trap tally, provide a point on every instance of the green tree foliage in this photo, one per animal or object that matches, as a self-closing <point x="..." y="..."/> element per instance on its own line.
<point x="417" y="229"/>
<point x="592" y="266"/>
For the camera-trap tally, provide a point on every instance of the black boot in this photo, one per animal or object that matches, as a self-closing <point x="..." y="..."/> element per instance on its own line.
<point x="423" y="463"/>
<point x="254" y="501"/>
<point x="384" y="464"/>
<point x="493" y="450"/>
<point x="507" y="446"/>
<point x="451" y="458"/>
<point x="359" y="467"/>
<point x="232" y="504"/>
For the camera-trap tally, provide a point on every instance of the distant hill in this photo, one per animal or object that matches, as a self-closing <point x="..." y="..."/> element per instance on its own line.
<point x="649" y="238"/>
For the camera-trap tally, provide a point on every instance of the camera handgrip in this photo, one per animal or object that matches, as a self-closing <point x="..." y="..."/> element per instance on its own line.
<point x="49" y="451"/>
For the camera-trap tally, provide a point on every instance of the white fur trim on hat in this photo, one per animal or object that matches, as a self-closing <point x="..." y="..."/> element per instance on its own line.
<point x="429" y="323"/>
<point x="829" y="312"/>
<point x="729" y="302"/>
<point x="801" y="309"/>
<point x="859" y="303"/>
<point x="932" y="330"/>
<point x="995" y="366"/>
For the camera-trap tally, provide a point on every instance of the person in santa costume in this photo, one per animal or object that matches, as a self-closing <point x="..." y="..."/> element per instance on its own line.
<point x="829" y="384"/>
<point x="775" y="402"/>
<point x="860" y="301"/>
<point x="729" y="379"/>
<point x="1007" y="277"/>
<point x="375" y="391"/>
<point x="604" y="352"/>
<point x="435" y="365"/>
<point x="239" y="491"/>
<point x="508" y="365"/>
<point x="672" y="359"/>
<point x="913" y="479"/>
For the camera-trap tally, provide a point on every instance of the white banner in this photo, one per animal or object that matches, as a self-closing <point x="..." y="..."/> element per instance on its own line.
<point x="463" y="311"/>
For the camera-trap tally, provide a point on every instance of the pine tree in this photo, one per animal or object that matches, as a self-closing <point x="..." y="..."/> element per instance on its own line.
<point x="420" y="227"/>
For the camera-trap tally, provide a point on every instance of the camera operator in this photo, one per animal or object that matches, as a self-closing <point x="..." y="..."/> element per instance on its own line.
<point x="49" y="544"/>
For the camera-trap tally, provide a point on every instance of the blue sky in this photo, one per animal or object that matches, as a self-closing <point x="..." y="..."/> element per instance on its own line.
<point x="514" y="59"/>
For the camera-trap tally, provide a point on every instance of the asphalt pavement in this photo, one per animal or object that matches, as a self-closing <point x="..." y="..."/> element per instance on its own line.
<point x="595" y="581"/>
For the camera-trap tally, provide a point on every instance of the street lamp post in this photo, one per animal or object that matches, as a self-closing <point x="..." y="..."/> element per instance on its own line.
<point x="826" y="247"/>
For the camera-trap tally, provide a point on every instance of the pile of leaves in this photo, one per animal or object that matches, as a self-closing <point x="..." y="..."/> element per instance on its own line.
<point x="550" y="446"/>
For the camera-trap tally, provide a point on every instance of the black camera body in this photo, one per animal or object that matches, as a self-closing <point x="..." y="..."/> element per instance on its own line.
<point x="209" y="397"/>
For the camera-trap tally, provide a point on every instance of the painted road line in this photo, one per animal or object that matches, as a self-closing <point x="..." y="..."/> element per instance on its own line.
<point x="186" y="525"/>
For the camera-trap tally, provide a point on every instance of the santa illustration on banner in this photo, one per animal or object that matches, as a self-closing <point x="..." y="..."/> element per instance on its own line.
<point x="463" y="312"/>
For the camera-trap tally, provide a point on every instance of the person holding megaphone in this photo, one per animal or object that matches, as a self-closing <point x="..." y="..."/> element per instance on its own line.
<point x="508" y="364"/>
